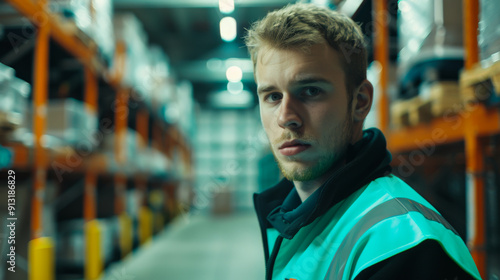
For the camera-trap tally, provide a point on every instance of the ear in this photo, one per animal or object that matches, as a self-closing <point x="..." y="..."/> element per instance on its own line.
<point x="362" y="101"/>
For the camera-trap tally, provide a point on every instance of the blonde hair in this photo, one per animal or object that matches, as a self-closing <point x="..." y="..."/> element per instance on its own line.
<point x="303" y="25"/>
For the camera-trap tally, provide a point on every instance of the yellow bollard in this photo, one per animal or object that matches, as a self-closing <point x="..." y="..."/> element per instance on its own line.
<point x="125" y="233"/>
<point x="145" y="224"/>
<point x="93" y="254"/>
<point x="159" y="222"/>
<point x="41" y="259"/>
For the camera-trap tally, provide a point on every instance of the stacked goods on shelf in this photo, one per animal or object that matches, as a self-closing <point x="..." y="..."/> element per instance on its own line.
<point x="68" y="123"/>
<point x="74" y="14"/>
<point x="489" y="32"/>
<point x="178" y="110"/>
<point x="431" y="52"/>
<point x="160" y="80"/>
<point x="434" y="100"/>
<point x="14" y="95"/>
<point x="154" y="162"/>
<point x="164" y="98"/>
<point x="169" y="101"/>
<point x="186" y="108"/>
<point x="483" y="82"/>
<point x="147" y="160"/>
<point x="147" y="71"/>
<point x="90" y="19"/>
<point x="481" y="85"/>
<point x="6" y="73"/>
<point x="108" y="147"/>
<point x="129" y="30"/>
<point x="430" y="41"/>
<point x="68" y="120"/>
<point x="103" y="27"/>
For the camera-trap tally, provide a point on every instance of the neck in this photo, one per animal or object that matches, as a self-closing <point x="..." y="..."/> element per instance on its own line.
<point x="307" y="188"/>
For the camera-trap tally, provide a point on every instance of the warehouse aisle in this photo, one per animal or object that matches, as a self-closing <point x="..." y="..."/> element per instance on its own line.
<point x="199" y="247"/>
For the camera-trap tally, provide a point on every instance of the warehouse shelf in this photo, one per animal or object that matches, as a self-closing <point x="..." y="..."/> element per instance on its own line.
<point x="445" y="130"/>
<point x="63" y="159"/>
<point x="74" y="42"/>
<point x="23" y="158"/>
<point x="471" y="125"/>
<point x="61" y="32"/>
<point x="166" y="139"/>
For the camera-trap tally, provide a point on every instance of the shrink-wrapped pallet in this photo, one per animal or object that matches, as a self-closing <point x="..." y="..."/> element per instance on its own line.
<point x="489" y="32"/>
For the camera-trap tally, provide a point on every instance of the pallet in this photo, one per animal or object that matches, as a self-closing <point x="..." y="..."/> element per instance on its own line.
<point x="400" y="113"/>
<point x="445" y="99"/>
<point x="410" y="112"/>
<point x="441" y="99"/>
<point x="9" y="121"/>
<point x="481" y="85"/>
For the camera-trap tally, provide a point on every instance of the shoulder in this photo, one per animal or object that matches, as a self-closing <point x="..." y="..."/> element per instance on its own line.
<point x="392" y="186"/>
<point x="400" y="226"/>
<point x="427" y="260"/>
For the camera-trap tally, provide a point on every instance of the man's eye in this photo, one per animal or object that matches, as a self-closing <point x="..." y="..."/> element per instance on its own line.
<point x="312" y="91"/>
<point x="273" y="97"/>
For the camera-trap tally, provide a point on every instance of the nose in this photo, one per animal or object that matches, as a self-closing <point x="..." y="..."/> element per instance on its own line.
<point x="289" y="113"/>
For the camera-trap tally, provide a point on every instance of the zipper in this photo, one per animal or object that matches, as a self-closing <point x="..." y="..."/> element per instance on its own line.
<point x="272" y="258"/>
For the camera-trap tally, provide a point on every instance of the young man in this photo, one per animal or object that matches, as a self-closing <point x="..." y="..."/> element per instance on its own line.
<point x="339" y="214"/>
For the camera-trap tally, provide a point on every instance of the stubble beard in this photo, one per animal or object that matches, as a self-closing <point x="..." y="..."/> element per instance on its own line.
<point x="325" y="162"/>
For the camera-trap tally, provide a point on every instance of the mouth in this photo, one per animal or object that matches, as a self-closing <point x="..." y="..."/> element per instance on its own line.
<point x="291" y="148"/>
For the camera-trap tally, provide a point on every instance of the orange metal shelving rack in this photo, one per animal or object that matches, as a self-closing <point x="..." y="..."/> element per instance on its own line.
<point x="41" y="259"/>
<point x="41" y="249"/>
<point x="470" y="125"/>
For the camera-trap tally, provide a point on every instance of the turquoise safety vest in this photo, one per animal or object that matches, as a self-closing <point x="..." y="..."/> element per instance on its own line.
<point x="378" y="221"/>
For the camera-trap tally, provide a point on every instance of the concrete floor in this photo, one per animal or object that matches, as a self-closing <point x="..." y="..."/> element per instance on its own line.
<point x="198" y="246"/>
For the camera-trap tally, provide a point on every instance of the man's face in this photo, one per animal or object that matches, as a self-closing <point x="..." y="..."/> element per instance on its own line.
<point x="304" y="109"/>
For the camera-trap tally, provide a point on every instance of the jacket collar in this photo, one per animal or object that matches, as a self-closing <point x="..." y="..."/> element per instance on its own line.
<point x="280" y="206"/>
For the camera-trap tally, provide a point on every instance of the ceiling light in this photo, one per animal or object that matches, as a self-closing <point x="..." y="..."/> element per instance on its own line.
<point x="226" y="6"/>
<point x="228" y="29"/>
<point x="234" y="74"/>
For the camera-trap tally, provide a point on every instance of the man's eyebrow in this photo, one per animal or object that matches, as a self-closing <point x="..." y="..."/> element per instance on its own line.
<point x="265" y="88"/>
<point x="298" y="82"/>
<point x="310" y="80"/>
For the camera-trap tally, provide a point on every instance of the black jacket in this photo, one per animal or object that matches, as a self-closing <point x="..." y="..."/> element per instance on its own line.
<point x="367" y="160"/>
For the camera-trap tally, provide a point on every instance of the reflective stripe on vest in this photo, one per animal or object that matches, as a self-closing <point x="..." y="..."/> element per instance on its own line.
<point x="386" y="210"/>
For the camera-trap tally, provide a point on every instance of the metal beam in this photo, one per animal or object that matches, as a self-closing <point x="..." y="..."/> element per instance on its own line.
<point x="196" y="3"/>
